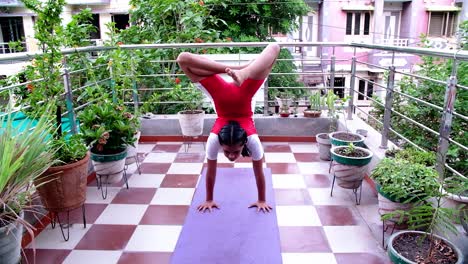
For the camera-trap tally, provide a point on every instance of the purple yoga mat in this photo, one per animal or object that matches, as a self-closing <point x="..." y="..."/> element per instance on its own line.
<point x="234" y="234"/>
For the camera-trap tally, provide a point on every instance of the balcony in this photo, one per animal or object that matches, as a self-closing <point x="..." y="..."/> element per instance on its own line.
<point x="144" y="222"/>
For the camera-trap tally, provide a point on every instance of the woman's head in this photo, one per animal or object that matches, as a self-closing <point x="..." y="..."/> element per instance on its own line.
<point x="232" y="138"/>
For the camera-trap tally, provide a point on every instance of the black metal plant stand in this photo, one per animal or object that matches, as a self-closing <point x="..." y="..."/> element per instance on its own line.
<point x="66" y="225"/>
<point x="384" y="230"/>
<point x="103" y="185"/>
<point x="355" y="190"/>
<point x="188" y="140"/>
<point x="137" y="162"/>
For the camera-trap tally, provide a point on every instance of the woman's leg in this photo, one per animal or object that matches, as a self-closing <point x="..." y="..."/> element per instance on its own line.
<point x="198" y="67"/>
<point x="259" y="68"/>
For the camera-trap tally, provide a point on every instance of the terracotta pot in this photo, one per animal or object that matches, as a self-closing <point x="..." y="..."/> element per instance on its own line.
<point x="312" y="113"/>
<point x="63" y="188"/>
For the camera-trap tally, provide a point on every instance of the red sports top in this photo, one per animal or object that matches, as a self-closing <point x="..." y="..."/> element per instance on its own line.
<point x="232" y="103"/>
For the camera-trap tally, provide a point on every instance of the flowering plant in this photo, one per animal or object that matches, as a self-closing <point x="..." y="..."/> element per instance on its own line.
<point x="108" y="128"/>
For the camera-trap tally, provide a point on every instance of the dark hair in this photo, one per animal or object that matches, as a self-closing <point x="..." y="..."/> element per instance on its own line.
<point x="233" y="134"/>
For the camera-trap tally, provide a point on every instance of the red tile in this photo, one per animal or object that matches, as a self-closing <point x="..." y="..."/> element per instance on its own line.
<point x="145" y="258"/>
<point x="180" y="181"/>
<point x="307" y="157"/>
<point x="277" y="148"/>
<point x="92" y="212"/>
<point x="155" y="168"/>
<point x="317" y="181"/>
<point x="292" y="197"/>
<point x="302" y="239"/>
<point x="283" y="168"/>
<point x="106" y="237"/>
<point x="165" y="215"/>
<point x="190" y="157"/>
<point x="358" y="258"/>
<point x="167" y="148"/>
<point x="134" y="196"/>
<point x="45" y="256"/>
<point x="335" y="215"/>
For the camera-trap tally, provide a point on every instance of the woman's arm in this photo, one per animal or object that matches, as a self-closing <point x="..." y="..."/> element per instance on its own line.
<point x="260" y="180"/>
<point x="210" y="182"/>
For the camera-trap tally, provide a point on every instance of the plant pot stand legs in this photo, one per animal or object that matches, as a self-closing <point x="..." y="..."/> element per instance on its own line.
<point x="137" y="162"/>
<point x="56" y="220"/>
<point x="188" y="140"/>
<point x="384" y="230"/>
<point x="355" y="191"/>
<point x="103" y="185"/>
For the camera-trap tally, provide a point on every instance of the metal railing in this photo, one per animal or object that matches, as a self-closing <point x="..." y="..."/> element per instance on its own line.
<point x="328" y="70"/>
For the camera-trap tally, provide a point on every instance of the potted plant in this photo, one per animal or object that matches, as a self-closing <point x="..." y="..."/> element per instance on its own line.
<point x="284" y="101"/>
<point x="191" y="119"/>
<point x="24" y="156"/>
<point x="349" y="165"/>
<point x="323" y="139"/>
<point x="108" y="129"/>
<point x="63" y="186"/>
<point x="431" y="220"/>
<point x="396" y="181"/>
<point x="315" y="109"/>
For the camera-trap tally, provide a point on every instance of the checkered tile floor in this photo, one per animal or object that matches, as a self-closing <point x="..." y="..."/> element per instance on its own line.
<point x="142" y="224"/>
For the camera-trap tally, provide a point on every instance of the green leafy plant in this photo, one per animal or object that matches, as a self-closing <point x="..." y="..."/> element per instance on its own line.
<point x="316" y="101"/>
<point x="414" y="155"/>
<point x="349" y="149"/>
<point x="192" y="98"/>
<point x="24" y="155"/>
<point x="108" y="128"/>
<point x="69" y="149"/>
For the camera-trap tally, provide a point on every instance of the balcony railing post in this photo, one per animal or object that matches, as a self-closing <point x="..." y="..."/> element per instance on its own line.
<point x="266" y="105"/>
<point x="112" y="82"/>
<point x="351" y="87"/>
<point x="388" y="107"/>
<point x="332" y="71"/>
<point x="69" y="99"/>
<point x="134" y="86"/>
<point x="446" y="121"/>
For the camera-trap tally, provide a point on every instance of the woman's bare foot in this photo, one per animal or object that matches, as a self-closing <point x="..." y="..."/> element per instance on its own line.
<point x="238" y="76"/>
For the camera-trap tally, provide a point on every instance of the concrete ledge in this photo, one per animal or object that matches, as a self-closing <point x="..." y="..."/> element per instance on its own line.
<point x="267" y="126"/>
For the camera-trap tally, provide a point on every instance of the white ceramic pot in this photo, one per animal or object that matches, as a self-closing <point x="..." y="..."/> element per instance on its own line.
<point x="132" y="150"/>
<point x="191" y="122"/>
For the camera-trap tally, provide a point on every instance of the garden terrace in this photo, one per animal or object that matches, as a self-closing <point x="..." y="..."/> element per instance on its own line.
<point x="424" y="107"/>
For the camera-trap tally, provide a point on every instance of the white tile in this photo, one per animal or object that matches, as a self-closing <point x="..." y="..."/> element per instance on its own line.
<point x="321" y="196"/>
<point x="288" y="181"/>
<point x="131" y="169"/>
<point x="246" y="165"/>
<point x="185" y="168"/>
<point x="160" y="157"/>
<point x="161" y="238"/>
<point x="169" y="143"/>
<point x="300" y="215"/>
<point x="362" y="239"/>
<point x="93" y="256"/>
<point x="307" y="258"/>
<point x="52" y="238"/>
<point x="145" y="180"/>
<point x="275" y="157"/>
<point x="93" y="195"/>
<point x="303" y="147"/>
<point x="173" y="196"/>
<point x="145" y="148"/>
<point x="314" y="167"/>
<point x="122" y="214"/>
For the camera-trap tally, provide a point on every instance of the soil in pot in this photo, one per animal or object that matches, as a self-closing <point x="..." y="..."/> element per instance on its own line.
<point x="415" y="248"/>
<point x="346" y="137"/>
<point x="356" y="153"/>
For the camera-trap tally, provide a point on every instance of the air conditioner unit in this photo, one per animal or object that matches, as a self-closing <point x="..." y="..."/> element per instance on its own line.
<point x="438" y="43"/>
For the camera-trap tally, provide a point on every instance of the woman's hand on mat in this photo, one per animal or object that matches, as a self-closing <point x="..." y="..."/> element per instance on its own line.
<point x="261" y="206"/>
<point x="207" y="205"/>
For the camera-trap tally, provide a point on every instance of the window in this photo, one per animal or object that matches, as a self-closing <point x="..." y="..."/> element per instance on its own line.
<point x="357" y="23"/>
<point x="121" y="21"/>
<point x="11" y="30"/>
<point x="339" y="86"/>
<point x="95" y="22"/>
<point x="442" y="24"/>
<point x="364" y="93"/>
